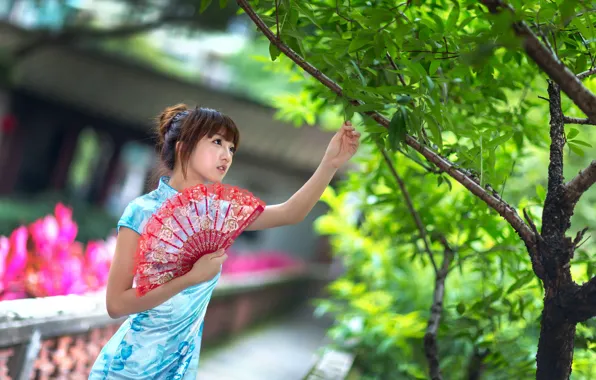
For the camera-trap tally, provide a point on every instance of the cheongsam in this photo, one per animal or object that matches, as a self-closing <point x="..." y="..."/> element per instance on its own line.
<point x="163" y="342"/>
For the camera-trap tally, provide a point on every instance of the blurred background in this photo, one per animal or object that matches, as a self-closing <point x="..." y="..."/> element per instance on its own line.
<point x="77" y="112"/>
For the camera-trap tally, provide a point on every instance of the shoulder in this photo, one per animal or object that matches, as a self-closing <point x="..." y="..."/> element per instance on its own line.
<point x="139" y="210"/>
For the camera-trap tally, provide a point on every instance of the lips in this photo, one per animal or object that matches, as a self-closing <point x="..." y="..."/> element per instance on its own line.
<point x="222" y="168"/>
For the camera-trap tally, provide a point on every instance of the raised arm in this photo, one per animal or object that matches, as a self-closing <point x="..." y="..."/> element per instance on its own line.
<point x="342" y="147"/>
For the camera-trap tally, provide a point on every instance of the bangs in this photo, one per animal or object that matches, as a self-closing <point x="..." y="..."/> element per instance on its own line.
<point x="226" y="128"/>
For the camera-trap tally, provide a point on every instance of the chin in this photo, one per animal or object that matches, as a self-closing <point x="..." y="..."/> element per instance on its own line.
<point x="216" y="179"/>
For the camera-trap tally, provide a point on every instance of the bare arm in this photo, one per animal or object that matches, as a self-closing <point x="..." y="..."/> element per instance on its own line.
<point x="341" y="148"/>
<point x="121" y="297"/>
<point x="295" y="209"/>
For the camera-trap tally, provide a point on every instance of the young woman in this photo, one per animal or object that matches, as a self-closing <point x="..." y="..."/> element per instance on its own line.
<point x="161" y="337"/>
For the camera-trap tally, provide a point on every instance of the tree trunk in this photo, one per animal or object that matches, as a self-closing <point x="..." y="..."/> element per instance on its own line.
<point x="555" y="346"/>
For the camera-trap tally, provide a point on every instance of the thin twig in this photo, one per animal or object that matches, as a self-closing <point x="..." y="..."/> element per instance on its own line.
<point x="431" y="348"/>
<point x="277" y="18"/>
<point x="399" y="75"/>
<point x="577" y="120"/>
<point x="410" y="206"/>
<point x="586" y="74"/>
<point x="339" y="13"/>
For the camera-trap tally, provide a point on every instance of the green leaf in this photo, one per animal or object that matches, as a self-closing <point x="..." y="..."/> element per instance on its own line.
<point x="576" y="149"/>
<point x="436" y="132"/>
<point x="434" y="65"/>
<point x="580" y="142"/>
<point x="204" y="5"/>
<point x="375" y="128"/>
<point x="305" y="11"/>
<point x="453" y="17"/>
<point x="357" y="69"/>
<point x="541" y="192"/>
<point x="398" y="128"/>
<point x="223" y="3"/>
<point x="273" y="51"/>
<point x="359" y="42"/>
<point x="403" y="99"/>
<point x="430" y="83"/>
<point x="461" y="308"/>
<point x="572" y="133"/>
<point x="494" y="143"/>
<point x="567" y="10"/>
<point x="367" y="108"/>
<point x="520" y="283"/>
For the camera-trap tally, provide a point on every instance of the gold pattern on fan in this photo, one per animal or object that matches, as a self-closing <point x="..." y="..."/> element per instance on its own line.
<point x="160" y="255"/>
<point x="231" y="225"/>
<point x="184" y="211"/>
<point x="205" y="222"/>
<point x="165" y="234"/>
<point x="162" y="278"/>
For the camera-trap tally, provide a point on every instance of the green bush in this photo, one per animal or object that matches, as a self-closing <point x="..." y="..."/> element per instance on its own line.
<point x="381" y="304"/>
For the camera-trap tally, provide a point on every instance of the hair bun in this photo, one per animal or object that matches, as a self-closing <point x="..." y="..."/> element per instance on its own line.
<point x="165" y="119"/>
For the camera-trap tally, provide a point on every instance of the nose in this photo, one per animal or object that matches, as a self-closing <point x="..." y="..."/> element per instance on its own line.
<point x="226" y="156"/>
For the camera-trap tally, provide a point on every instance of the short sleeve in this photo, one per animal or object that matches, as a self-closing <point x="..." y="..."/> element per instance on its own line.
<point x="132" y="217"/>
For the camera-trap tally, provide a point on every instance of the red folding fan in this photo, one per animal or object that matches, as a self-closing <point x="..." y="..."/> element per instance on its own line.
<point x="190" y="224"/>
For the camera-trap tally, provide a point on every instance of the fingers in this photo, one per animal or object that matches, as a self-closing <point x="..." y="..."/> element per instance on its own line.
<point x="218" y="253"/>
<point x="220" y="259"/>
<point x="349" y="130"/>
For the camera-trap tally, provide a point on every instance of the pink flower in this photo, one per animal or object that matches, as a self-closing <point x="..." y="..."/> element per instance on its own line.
<point x="44" y="233"/>
<point x="16" y="260"/>
<point x="68" y="228"/>
<point x="4" y="249"/>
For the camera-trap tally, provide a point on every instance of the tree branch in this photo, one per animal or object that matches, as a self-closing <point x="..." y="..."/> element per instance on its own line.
<point x="431" y="349"/>
<point x="548" y="62"/>
<point x="477" y="366"/>
<point x="576" y="120"/>
<point x="71" y="34"/>
<point x="535" y="255"/>
<point x="580" y="184"/>
<point x="586" y="74"/>
<point x="580" y="302"/>
<point x="411" y="208"/>
<point x="504" y="209"/>
<point x="557" y="136"/>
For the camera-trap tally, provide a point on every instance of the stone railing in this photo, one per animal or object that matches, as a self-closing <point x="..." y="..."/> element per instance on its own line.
<point x="60" y="337"/>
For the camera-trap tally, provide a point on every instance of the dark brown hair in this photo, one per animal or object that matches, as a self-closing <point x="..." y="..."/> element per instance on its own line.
<point x="188" y="126"/>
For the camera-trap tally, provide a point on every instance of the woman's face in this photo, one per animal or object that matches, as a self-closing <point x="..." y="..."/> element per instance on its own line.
<point x="211" y="159"/>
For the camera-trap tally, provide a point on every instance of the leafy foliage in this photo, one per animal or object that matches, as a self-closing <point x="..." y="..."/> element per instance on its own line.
<point x="456" y="78"/>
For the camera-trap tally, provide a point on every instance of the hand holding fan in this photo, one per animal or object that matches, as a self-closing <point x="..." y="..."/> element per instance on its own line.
<point x="190" y="224"/>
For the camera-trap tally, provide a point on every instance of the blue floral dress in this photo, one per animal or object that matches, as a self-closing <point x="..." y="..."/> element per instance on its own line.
<point x="163" y="342"/>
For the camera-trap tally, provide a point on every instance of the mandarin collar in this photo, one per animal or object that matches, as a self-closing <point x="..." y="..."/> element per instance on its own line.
<point x="164" y="189"/>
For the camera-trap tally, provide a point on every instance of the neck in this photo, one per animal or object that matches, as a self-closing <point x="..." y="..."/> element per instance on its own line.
<point x="179" y="183"/>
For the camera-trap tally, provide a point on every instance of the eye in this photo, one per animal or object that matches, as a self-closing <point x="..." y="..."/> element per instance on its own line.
<point x="232" y="150"/>
<point x="217" y="141"/>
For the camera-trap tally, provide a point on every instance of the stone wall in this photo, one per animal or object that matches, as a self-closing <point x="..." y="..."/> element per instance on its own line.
<point x="60" y="337"/>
